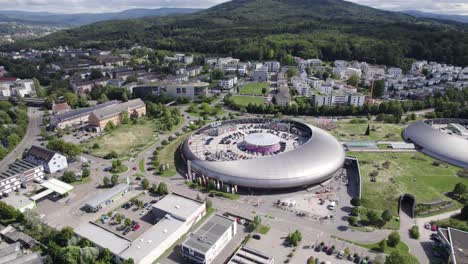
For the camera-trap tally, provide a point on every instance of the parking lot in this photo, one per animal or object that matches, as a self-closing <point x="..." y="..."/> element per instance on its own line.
<point x="80" y="136"/>
<point x="139" y="213"/>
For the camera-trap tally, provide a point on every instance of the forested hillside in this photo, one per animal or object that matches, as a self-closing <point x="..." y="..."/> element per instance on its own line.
<point x="277" y="29"/>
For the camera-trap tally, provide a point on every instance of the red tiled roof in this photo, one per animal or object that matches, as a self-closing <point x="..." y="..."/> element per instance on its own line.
<point x="7" y="79"/>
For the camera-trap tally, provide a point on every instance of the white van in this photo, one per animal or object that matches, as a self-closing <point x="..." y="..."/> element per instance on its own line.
<point x="332" y="206"/>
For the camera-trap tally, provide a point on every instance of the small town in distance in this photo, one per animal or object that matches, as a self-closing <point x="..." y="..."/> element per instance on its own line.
<point x="144" y="155"/>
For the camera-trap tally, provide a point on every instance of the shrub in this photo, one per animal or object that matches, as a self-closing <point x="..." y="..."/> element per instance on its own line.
<point x="383" y="246"/>
<point x="386" y="215"/>
<point x="436" y="163"/>
<point x="386" y="164"/>
<point x="393" y="239"/>
<point x="355" y="211"/>
<point x="111" y="155"/>
<point x="414" y="232"/>
<point x="352" y="220"/>
<point x="356" y="201"/>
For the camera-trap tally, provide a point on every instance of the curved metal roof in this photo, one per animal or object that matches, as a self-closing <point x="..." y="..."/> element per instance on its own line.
<point x="313" y="162"/>
<point x="438" y="144"/>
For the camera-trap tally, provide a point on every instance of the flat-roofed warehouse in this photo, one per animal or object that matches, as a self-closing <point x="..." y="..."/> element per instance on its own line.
<point x="101" y="200"/>
<point x="209" y="240"/>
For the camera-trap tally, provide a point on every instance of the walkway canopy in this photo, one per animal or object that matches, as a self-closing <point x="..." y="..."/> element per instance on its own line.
<point x="41" y="195"/>
<point x="57" y="186"/>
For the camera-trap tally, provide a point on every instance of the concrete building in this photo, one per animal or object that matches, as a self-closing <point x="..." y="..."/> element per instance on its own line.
<point x="302" y="87"/>
<point x="273" y="66"/>
<point x="338" y="97"/>
<point x="51" y="160"/>
<point x="190" y="90"/>
<point x="228" y="82"/>
<point x="114" y="113"/>
<point x="20" y="202"/>
<point x="173" y="216"/>
<point x="261" y="74"/>
<point x="19" y="173"/>
<point x="209" y="240"/>
<point x="107" y="197"/>
<point x="76" y="118"/>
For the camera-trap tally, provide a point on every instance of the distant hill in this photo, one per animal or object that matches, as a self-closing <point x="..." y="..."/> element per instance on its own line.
<point x="80" y="19"/>
<point x="457" y="18"/>
<point x="280" y="29"/>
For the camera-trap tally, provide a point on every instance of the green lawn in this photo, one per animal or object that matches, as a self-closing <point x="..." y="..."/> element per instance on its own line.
<point x="400" y="247"/>
<point x="168" y="155"/>
<point x="379" y="131"/>
<point x="246" y="100"/>
<point x="263" y="229"/>
<point x="124" y="138"/>
<point x="454" y="222"/>
<point x="255" y="88"/>
<point x="412" y="173"/>
<point x="141" y="165"/>
<point x="393" y="224"/>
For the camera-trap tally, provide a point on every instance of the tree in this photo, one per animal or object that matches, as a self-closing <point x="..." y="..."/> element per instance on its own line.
<point x="400" y="258"/>
<point x="386" y="215"/>
<point x="119" y="218"/>
<point x="124" y="117"/>
<point x="106" y="256"/>
<point x="294" y="238"/>
<point x="85" y="172"/>
<point x="208" y="203"/>
<point x="8" y="212"/>
<point x="216" y="74"/>
<point x="393" y="239"/>
<point x="69" y="176"/>
<point x="103" y="98"/>
<point x="114" y="180"/>
<point x="154" y="188"/>
<point x="106" y="181"/>
<point x="62" y="237"/>
<point x="95" y="74"/>
<point x="128" y="261"/>
<point x="162" y="188"/>
<point x="264" y="90"/>
<point x="71" y="99"/>
<point x="355" y="211"/>
<point x="379" y="88"/>
<point x="291" y="72"/>
<point x="256" y="222"/>
<point x="128" y="222"/>
<point x="383" y="246"/>
<point x="353" y="80"/>
<point x="414" y="232"/>
<point x="372" y="217"/>
<point x="356" y="201"/>
<point x="352" y="220"/>
<point x="368" y="130"/>
<point x="145" y="184"/>
<point x="464" y="212"/>
<point x="12" y="140"/>
<point x="460" y="189"/>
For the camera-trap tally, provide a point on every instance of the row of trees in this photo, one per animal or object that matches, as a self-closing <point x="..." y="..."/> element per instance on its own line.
<point x="13" y="126"/>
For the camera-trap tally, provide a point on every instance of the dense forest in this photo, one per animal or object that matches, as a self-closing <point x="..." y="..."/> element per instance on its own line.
<point x="277" y="29"/>
<point x="14" y="123"/>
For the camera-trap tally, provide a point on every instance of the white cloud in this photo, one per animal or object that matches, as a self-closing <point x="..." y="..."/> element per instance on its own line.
<point x="458" y="7"/>
<point x="94" y="6"/>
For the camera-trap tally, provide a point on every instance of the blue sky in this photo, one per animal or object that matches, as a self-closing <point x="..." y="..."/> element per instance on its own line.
<point x="459" y="7"/>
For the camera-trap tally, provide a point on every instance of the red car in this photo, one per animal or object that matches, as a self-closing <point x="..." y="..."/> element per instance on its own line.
<point x="136" y="227"/>
<point x="433" y="227"/>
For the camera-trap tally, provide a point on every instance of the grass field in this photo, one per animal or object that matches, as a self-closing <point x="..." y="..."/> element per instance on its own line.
<point x="379" y="131"/>
<point x="123" y="139"/>
<point x="168" y="155"/>
<point x="412" y="173"/>
<point x="255" y="88"/>
<point x="400" y="247"/>
<point x="245" y="100"/>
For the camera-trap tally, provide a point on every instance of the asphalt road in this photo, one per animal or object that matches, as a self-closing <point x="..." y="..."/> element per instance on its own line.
<point x="31" y="137"/>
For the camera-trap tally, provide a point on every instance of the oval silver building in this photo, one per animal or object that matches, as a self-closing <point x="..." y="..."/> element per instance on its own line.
<point x="306" y="154"/>
<point x="445" y="139"/>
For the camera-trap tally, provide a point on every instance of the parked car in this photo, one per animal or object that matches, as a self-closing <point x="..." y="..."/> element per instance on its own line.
<point x="256" y="236"/>
<point x="105" y="219"/>
<point x="136" y="227"/>
<point x="433" y="227"/>
<point x="127" y="230"/>
<point x="145" y="205"/>
<point x="427" y="226"/>
<point x="435" y="237"/>
<point x="351" y="257"/>
<point x="325" y="248"/>
<point x="154" y="201"/>
<point x="364" y="261"/>
<point x="340" y="255"/>
<point x="134" y="168"/>
<point x="357" y="259"/>
<point x="318" y="248"/>
<point x="331" y="250"/>
<point x="240" y="221"/>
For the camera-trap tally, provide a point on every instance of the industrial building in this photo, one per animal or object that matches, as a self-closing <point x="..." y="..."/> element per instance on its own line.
<point x="261" y="153"/>
<point x="442" y="138"/>
<point x="455" y="244"/>
<point x="246" y="255"/>
<point x="107" y="197"/>
<point x="173" y="216"/>
<point x="209" y="240"/>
